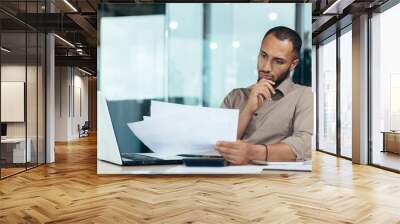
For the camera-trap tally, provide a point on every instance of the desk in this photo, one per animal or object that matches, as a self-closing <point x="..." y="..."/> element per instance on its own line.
<point x="391" y="141"/>
<point x="109" y="168"/>
<point x="17" y="150"/>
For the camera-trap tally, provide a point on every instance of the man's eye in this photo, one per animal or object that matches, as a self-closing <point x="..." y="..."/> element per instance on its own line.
<point x="279" y="62"/>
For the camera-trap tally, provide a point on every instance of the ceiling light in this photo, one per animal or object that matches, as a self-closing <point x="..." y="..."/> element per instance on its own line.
<point x="70" y="5"/>
<point x="333" y="6"/>
<point x="235" y="44"/>
<point x="337" y="7"/>
<point x="5" y="50"/>
<point x="84" y="71"/>
<point x="272" y="16"/>
<point x="213" y="46"/>
<point x="65" y="41"/>
<point x="173" y="25"/>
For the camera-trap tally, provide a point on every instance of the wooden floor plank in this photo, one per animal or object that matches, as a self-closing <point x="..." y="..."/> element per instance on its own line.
<point x="70" y="191"/>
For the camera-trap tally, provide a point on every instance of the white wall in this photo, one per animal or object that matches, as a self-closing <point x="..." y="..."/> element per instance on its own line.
<point x="17" y="73"/>
<point x="71" y="94"/>
<point x="79" y="117"/>
<point x="14" y="73"/>
<point x="33" y="127"/>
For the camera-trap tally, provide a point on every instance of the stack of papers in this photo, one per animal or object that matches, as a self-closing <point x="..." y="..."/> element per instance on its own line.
<point x="174" y="129"/>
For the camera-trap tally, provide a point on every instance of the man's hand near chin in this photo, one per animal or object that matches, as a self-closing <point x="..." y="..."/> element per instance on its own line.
<point x="240" y="152"/>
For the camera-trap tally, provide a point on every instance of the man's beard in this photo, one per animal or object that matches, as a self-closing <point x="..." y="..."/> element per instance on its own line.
<point x="280" y="79"/>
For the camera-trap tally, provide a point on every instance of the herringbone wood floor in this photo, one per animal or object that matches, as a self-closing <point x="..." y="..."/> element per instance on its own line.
<point x="70" y="191"/>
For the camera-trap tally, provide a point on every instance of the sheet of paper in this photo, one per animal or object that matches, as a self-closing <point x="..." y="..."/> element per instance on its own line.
<point x="308" y="162"/>
<point x="181" y="129"/>
<point x="159" y="109"/>
<point x="289" y="166"/>
<point x="299" y="167"/>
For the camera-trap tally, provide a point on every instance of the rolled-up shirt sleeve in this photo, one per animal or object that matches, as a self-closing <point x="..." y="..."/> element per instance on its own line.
<point x="303" y="125"/>
<point x="227" y="102"/>
<point x="232" y="100"/>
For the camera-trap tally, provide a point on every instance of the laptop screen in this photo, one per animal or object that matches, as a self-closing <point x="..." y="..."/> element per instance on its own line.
<point x="123" y="112"/>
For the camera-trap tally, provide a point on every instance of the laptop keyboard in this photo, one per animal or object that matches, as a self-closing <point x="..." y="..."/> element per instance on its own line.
<point x="139" y="157"/>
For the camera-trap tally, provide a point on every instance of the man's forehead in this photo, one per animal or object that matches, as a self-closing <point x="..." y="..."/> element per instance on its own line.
<point x="278" y="48"/>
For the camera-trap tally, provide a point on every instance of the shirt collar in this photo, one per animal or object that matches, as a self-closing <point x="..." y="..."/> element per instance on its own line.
<point x="285" y="86"/>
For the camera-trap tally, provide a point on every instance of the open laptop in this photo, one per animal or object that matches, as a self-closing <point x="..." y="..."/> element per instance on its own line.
<point x="135" y="158"/>
<point x="116" y="143"/>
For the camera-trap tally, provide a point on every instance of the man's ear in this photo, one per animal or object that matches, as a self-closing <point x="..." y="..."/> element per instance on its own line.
<point x="294" y="64"/>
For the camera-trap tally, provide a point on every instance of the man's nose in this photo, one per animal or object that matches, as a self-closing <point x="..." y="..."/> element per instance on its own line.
<point x="267" y="66"/>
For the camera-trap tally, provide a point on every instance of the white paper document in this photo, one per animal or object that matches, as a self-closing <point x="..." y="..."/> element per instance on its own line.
<point x="296" y="166"/>
<point x="181" y="129"/>
<point x="288" y="166"/>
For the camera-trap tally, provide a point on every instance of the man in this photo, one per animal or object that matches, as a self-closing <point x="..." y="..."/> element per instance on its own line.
<point x="276" y="115"/>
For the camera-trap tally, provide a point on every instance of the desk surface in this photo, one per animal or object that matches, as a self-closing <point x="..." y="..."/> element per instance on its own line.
<point x="108" y="168"/>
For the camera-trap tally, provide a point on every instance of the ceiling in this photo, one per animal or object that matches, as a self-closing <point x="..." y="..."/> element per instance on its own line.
<point x="76" y="22"/>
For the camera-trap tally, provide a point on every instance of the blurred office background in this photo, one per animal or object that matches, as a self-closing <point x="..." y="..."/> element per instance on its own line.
<point x="186" y="53"/>
<point x="197" y="52"/>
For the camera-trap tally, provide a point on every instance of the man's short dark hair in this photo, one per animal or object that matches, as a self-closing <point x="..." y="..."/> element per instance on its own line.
<point x="285" y="33"/>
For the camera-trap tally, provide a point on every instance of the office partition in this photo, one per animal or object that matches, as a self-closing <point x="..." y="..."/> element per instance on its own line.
<point x="22" y="77"/>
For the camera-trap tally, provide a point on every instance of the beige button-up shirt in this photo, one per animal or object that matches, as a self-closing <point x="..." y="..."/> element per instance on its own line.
<point x="287" y="118"/>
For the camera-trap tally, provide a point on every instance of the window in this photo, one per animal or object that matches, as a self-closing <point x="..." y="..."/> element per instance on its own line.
<point x="385" y="89"/>
<point x="346" y="94"/>
<point x="327" y="96"/>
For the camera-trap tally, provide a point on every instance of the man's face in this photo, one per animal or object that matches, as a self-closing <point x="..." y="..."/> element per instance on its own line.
<point x="276" y="59"/>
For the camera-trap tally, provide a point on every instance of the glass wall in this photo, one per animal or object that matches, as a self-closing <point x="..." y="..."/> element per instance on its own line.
<point x="346" y="93"/>
<point x="327" y="96"/>
<point x="385" y="89"/>
<point x="22" y="92"/>
<point x="232" y="45"/>
<point x="185" y="53"/>
<point x="219" y="53"/>
<point x="13" y="109"/>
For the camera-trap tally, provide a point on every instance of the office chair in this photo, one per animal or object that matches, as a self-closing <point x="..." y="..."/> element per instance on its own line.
<point x="84" y="130"/>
